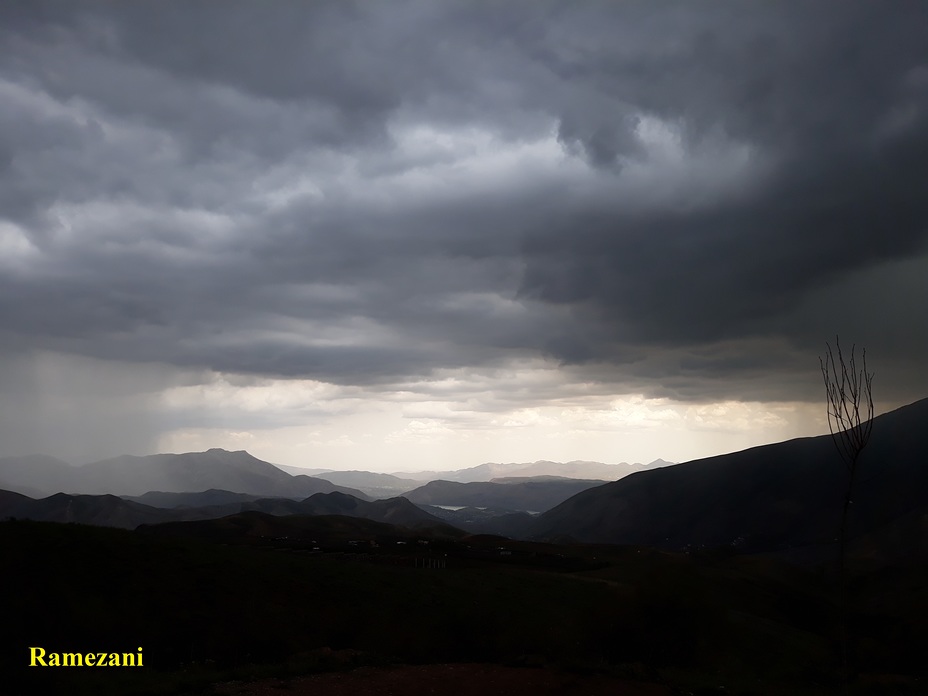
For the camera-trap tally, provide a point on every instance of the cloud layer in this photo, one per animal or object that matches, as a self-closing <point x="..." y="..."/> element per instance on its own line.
<point x="664" y="200"/>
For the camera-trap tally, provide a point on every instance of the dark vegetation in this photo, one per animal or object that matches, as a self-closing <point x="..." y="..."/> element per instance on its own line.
<point x="255" y="595"/>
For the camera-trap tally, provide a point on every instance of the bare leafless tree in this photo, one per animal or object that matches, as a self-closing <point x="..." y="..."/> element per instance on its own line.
<point x="850" y="415"/>
<point x="850" y="420"/>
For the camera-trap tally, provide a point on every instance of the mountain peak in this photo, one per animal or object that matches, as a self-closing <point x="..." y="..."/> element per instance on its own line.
<point x="660" y="462"/>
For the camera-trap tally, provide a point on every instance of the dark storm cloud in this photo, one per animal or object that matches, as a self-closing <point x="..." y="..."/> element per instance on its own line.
<point x="234" y="186"/>
<point x="819" y="96"/>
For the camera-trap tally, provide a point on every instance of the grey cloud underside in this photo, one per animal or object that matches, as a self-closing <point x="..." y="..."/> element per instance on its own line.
<point x="185" y="110"/>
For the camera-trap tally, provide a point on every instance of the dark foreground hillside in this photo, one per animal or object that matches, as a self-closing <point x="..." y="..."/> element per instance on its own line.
<point x="286" y="600"/>
<point x="782" y="497"/>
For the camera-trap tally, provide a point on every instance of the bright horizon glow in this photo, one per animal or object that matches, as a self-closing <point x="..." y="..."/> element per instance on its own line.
<point x="396" y="432"/>
<point x="458" y="419"/>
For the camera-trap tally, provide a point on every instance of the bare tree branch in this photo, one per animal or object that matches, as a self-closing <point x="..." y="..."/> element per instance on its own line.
<point x="847" y="390"/>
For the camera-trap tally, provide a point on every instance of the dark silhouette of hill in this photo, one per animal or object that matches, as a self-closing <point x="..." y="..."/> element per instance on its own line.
<point x="10" y="501"/>
<point x="521" y="494"/>
<point x="398" y="511"/>
<point x="773" y="497"/>
<point x="253" y="526"/>
<point x="270" y="506"/>
<point x="238" y="472"/>
<point x="213" y="496"/>
<point x="98" y="510"/>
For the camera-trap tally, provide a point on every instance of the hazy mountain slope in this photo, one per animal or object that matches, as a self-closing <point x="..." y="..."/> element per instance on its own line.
<point x="238" y="472"/>
<point x="193" y="471"/>
<point x="768" y="497"/>
<point x="299" y="470"/>
<point x="585" y="470"/>
<point x="127" y="475"/>
<point x="310" y="485"/>
<point x="373" y="484"/>
<point x="574" y="469"/>
<point x="527" y="479"/>
<point x="379" y="485"/>
<point x="36" y="475"/>
<point x="534" y="496"/>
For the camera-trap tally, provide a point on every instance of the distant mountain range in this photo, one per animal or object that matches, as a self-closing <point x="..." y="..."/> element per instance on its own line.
<point x="777" y="497"/>
<point x="112" y="511"/>
<point x="373" y="484"/>
<point x="575" y="469"/>
<point x="784" y="498"/>
<point x="379" y="485"/>
<point x="216" y="483"/>
<point x="239" y="472"/>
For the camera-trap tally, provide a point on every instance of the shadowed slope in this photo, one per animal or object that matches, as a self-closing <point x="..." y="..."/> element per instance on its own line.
<point x="771" y="497"/>
<point x="98" y="510"/>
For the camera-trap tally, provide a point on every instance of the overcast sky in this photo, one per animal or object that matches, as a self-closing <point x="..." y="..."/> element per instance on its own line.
<point x="407" y="235"/>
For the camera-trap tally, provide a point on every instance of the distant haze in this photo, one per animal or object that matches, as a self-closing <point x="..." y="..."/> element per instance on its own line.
<point x="424" y="235"/>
